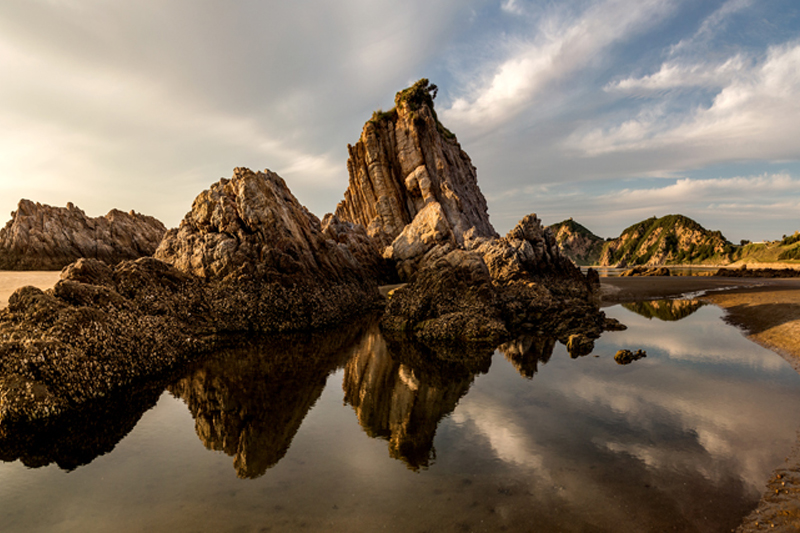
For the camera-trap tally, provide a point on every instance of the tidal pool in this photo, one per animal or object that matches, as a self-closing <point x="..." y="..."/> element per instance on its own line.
<point x="342" y="431"/>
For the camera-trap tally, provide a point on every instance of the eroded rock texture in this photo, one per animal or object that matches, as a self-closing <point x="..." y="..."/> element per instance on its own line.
<point x="41" y="237"/>
<point x="406" y="166"/>
<point x="270" y="263"/>
<point x="496" y="289"/>
<point x="247" y="258"/>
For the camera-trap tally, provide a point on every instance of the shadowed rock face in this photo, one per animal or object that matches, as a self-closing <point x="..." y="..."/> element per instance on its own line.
<point x="406" y="163"/>
<point x="249" y="401"/>
<point x="41" y="237"/>
<point x="496" y="289"/>
<point x="401" y="391"/>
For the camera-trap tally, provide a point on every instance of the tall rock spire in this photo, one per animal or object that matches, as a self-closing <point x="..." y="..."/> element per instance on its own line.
<point x="406" y="163"/>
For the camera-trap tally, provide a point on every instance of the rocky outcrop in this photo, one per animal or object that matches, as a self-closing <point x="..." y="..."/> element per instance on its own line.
<point x="405" y="166"/>
<point x="672" y="239"/>
<point x="98" y="330"/>
<point x="41" y="237"/>
<point x="744" y="272"/>
<point x="271" y="266"/>
<point x="626" y="357"/>
<point x="354" y="241"/>
<point x="248" y="258"/>
<point x="577" y="243"/>
<point x="497" y="289"/>
<point x="645" y="271"/>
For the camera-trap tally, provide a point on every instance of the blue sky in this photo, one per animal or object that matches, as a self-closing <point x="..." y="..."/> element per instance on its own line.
<point x="607" y="111"/>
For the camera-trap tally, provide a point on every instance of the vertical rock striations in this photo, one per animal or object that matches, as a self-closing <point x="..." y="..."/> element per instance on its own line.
<point x="407" y="172"/>
<point x="41" y="237"/>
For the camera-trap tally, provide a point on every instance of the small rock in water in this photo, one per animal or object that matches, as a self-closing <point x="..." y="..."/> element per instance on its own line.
<point x="626" y="357"/>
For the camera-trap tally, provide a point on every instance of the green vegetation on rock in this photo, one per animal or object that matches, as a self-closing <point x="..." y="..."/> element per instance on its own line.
<point x="577" y="242"/>
<point x="422" y="93"/>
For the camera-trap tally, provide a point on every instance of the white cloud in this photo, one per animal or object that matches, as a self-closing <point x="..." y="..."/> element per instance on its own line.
<point x="513" y="7"/>
<point x="752" y="117"/>
<point x="674" y="75"/>
<point x="561" y="46"/>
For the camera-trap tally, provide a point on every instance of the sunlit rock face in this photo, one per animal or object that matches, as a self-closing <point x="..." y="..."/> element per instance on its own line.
<point x="42" y="237"/>
<point x="249" y="401"/>
<point x="406" y="163"/>
<point x="272" y="266"/>
<point x="400" y="393"/>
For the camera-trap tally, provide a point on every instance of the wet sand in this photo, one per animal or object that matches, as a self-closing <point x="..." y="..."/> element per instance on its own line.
<point x="11" y="281"/>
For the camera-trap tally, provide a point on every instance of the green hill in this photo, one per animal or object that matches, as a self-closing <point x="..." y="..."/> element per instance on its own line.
<point x="577" y="243"/>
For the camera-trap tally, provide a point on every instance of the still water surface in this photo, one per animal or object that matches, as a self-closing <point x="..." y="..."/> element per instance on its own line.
<point x="341" y="431"/>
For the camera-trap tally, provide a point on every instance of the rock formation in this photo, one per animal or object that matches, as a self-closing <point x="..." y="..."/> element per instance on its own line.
<point x="672" y="239"/>
<point x="273" y="267"/>
<point x="577" y="243"/>
<point x="497" y="289"/>
<point x="41" y="237"/>
<point x="646" y="271"/>
<point x="411" y="185"/>
<point x="247" y="258"/>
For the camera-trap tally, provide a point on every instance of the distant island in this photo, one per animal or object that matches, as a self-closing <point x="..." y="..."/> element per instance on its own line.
<point x="669" y="240"/>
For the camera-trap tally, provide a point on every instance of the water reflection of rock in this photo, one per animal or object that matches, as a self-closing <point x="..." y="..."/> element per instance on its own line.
<point x="401" y="390"/>
<point x="526" y="352"/>
<point x="666" y="310"/>
<point x="249" y="401"/>
<point x="77" y="439"/>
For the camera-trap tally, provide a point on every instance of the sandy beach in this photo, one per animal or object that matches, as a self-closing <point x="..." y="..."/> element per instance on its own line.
<point x="11" y="281"/>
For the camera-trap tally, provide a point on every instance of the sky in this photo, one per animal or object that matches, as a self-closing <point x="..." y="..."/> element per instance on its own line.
<point x="606" y="111"/>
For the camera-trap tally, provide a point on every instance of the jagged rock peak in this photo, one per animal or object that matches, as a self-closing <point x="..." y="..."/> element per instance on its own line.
<point x="252" y="225"/>
<point x="43" y="237"/>
<point x="577" y="242"/>
<point x="405" y="161"/>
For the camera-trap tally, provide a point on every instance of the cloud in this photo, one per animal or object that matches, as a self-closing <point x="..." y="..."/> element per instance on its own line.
<point x="711" y="25"/>
<point x="675" y="75"/>
<point x="752" y="117"/>
<point x="561" y="46"/>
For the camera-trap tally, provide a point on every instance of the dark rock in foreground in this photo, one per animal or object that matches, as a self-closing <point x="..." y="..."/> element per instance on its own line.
<point x="41" y="237"/>
<point x="248" y="257"/>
